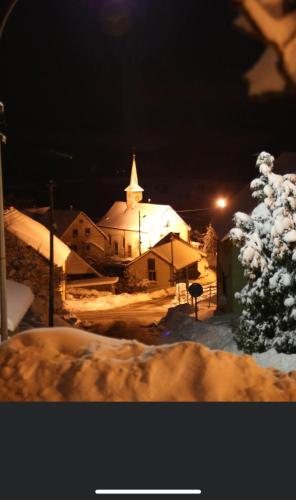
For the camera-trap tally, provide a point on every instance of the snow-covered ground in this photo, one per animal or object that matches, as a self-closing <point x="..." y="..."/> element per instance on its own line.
<point x="64" y="364"/>
<point x="217" y="333"/>
<point x="92" y="300"/>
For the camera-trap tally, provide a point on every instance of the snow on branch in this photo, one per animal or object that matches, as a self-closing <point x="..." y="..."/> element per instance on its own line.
<point x="276" y="68"/>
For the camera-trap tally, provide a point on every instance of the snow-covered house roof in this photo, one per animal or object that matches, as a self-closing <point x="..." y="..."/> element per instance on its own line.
<point x="37" y="236"/>
<point x="62" y="218"/>
<point x="177" y="251"/>
<point x="121" y="217"/>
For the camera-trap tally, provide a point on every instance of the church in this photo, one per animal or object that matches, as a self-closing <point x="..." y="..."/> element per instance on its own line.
<point x="133" y="227"/>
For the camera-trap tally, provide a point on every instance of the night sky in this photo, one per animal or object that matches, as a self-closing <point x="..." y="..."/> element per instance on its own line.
<point x="85" y="81"/>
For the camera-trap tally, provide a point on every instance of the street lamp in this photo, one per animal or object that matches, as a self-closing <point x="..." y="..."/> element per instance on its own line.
<point x="221" y="202"/>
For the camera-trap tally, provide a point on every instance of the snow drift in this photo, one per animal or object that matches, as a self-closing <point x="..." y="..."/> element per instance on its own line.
<point x="19" y="300"/>
<point x="64" y="364"/>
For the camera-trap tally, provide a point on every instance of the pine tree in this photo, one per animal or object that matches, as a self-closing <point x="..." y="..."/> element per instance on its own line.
<point x="210" y="241"/>
<point x="267" y="241"/>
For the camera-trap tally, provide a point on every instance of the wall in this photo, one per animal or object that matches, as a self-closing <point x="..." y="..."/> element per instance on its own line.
<point x="81" y="223"/>
<point x="148" y="240"/>
<point x="230" y="277"/>
<point x="139" y="270"/>
<point x="27" y="266"/>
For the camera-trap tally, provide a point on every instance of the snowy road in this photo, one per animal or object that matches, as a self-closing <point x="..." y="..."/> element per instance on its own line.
<point x="144" y="313"/>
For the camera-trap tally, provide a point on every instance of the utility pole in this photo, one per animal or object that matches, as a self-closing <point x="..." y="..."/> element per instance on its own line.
<point x="140" y="250"/>
<point x="172" y="259"/>
<point x="4" y="326"/>
<point x="51" y="256"/>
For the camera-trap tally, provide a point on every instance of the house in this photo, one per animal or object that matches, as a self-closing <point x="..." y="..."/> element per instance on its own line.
<point x="75" y="229"/>
<point x="28" y="253"/>
<point x="230" y="275"/>
<point x="169" y="261"/>
<point x="132" y="227"/>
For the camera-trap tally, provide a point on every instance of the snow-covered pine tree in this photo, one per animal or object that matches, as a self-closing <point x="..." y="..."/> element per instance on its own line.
<point x="267" y="241"/>
<point x="210" y="241"/>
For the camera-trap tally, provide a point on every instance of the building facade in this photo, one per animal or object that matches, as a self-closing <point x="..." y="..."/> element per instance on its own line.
<point x="133" y="227"/>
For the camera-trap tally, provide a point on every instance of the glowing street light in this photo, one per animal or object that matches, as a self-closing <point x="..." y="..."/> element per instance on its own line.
<point x="221" y="202"/>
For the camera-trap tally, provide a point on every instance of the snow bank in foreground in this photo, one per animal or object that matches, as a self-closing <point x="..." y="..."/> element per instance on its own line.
<point x="110" y="301"/>
<point x="64" y="364"/>
<point x="216" y="333"/>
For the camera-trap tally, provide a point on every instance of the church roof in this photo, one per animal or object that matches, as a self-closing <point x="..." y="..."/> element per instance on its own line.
<point x="121" y="217"/>
<point x="134" y="184"/>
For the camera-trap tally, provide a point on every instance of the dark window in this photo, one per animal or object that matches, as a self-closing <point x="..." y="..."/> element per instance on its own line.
<point x="75" y="233"/>
<point x="129" y="250"/>
<point x="123" y="241"/>
<point x="73" y="247"/>
<point x="151" y="270"/>
<point x="87" y="231"/>
<point x="109" y="239"/>
<point x="87" y="248"/>
<point x="115" y="247"/>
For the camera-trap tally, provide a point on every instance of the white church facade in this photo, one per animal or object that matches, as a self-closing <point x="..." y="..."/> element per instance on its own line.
<point x="133" y="227"/>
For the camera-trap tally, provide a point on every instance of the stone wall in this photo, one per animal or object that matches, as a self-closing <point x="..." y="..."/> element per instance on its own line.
<point x="25" y="265"/>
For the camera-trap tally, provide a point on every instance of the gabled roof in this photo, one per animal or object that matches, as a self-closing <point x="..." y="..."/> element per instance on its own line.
<point x="62" y="218"/>
<point x="178" y="251"/>
<point x="36" y="235"/>
<point x="243" y="200"/>
<point x="121" y="217"/>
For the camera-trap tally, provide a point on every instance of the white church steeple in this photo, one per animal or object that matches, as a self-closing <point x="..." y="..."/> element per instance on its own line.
<point x="133" y="191"/>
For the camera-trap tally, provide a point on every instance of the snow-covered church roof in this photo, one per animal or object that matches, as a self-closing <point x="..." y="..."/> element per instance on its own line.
<point x="121" y="217"/>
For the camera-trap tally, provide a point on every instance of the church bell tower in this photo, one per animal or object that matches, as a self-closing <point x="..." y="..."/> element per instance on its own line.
<point x="134" y="193"/>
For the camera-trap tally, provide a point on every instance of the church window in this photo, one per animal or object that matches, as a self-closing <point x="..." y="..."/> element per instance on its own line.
<point x="129" y="250"/>
<point x="75" y="233"/>
<point x="115" y="247"/>
<point x="151" y="270"/>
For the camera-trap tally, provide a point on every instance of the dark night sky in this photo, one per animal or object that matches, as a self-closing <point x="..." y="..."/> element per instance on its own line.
<point x="93" y="78"/>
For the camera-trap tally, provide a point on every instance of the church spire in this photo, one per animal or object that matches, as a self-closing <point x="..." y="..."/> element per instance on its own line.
<point x="133" y="191"/>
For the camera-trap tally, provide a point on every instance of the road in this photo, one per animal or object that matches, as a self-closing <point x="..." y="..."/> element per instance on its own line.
<point x="144" y="313"/>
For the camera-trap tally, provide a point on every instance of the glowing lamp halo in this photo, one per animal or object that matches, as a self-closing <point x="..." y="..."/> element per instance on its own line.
<point x="221" y="202"/>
